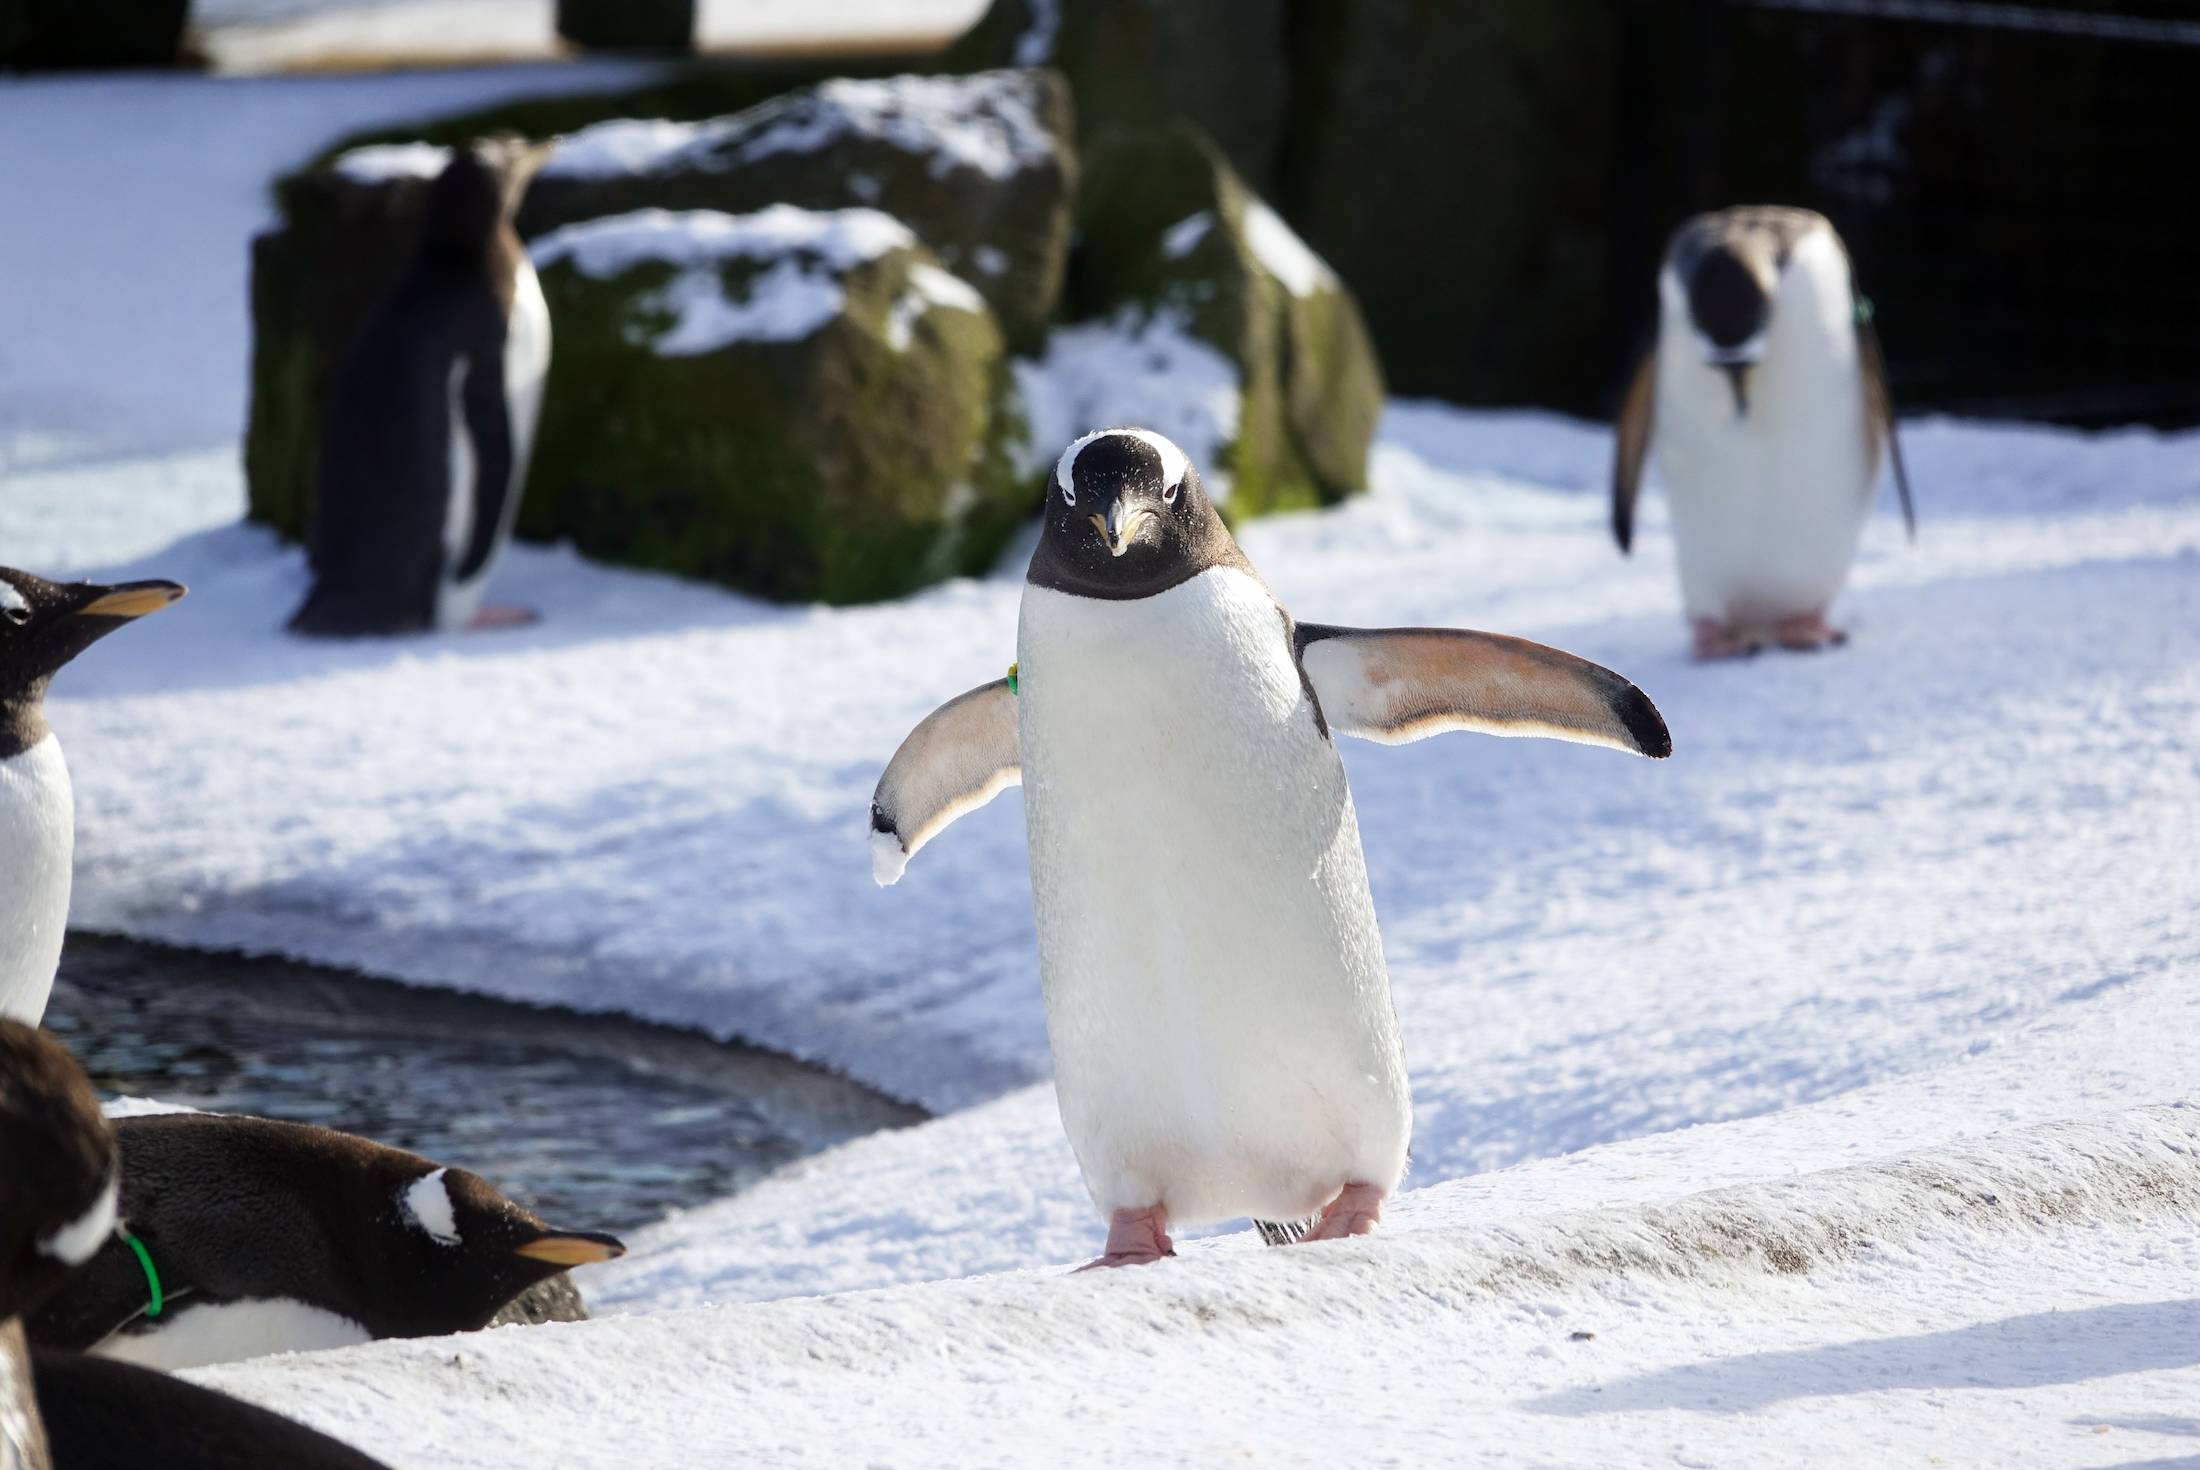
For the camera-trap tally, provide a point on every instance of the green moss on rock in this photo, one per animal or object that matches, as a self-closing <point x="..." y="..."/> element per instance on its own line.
<point x="860" y="460"/>
<point x="1170" y="229"/>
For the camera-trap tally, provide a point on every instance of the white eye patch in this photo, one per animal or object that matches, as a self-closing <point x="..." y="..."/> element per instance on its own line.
<point x="427" y="1203"/>
<point x="79" y="1240"/>
<point x="1173" y="462"/>
<point x="12" y="603"/>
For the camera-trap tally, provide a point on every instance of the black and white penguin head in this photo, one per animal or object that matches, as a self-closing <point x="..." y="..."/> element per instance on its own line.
<point x="1126" y="516"/>
<point x="480" y="189"/>
<point x="45" y="624"/>
<point x="1726" y="267"/>
<point x="57" y="1168"/>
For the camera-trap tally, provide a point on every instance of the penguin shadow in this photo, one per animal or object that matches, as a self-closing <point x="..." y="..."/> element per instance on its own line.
<point x="234" y="634"/>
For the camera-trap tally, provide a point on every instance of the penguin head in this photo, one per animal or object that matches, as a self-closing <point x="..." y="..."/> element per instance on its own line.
<point x="45" y="624"/>
<point x="480" y="190"/>
<point x="240" y="1208"/>
<point x="1126" y="516"/>
<point x="1727" y="266"/>
<point x="57" y="1168"/>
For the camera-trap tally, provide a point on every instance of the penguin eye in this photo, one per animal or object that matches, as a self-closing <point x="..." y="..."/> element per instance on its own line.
<point x="19" y="615"/>
<point x="1069" y="495"/>
<point x="1168" y="494"/>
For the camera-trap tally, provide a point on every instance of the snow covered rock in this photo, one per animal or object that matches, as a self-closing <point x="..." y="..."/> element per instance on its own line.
<point x="980" y="167"/>
<point x="1172" y="236"/>
<point x="801" y="404"/>
<point x="1221" y="65"/>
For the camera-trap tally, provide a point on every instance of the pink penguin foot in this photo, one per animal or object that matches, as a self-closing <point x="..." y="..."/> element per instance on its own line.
<point x="504" y="615"/>
<point x="1808" y="632"/>
<point x="1355" y="1211"/>
<point x="1136" y="1238"/>
<point x="1715" y="640"/>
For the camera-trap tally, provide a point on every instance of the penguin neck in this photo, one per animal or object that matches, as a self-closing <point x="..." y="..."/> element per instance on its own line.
<point x="23" y="721"/>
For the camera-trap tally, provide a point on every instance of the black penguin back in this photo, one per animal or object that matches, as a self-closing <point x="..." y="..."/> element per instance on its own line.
<point x="383" y="478"/>
<point x="105" y="1415"/>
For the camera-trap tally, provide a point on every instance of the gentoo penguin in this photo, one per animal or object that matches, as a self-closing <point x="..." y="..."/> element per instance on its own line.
<point x="277" y="1237"/>
<point x="1766" y="399"/>
<point x="431" y="417"/>
<point x="57" y="1210"/>
<point x="1223" y="1037"/>
<point x="42" y="626"/>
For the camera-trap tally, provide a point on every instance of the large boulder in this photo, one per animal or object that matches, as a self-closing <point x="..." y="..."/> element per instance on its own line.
<point x="804" y="405"/>
<point x="350" y="231"/>
<point x="1221" y="65"/>
<point x="1175" y="245"/>
<point x="981" y="167"/>
<point x="1454" y="163"/>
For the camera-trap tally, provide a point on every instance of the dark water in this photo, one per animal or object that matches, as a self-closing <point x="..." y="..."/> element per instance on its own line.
<point x="592" y="1121"/>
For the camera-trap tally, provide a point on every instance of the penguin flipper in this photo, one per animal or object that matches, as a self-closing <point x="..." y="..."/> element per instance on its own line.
<point x="488" y="424"/>
<point x="1632" y="447"/>
<point x="1879" y="412"/>
<point x="960" y="757"/>
<point x="1399" y="685"/>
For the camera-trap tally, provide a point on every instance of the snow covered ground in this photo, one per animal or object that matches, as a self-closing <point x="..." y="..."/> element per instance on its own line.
<point x="1926" y="898"/>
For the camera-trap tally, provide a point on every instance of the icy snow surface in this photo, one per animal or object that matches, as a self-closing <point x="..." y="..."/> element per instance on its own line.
<point x="792" y="297"/>
<point x="984" y="122"/>
<point x="1149" y="372"/>
<point x="1283" y="254"/>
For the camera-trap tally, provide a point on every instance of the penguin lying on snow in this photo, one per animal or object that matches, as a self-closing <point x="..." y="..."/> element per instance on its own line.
<point x="431" y="417"/>
<point x="57" y="1208"/>
<point x="42" y="626"/>
<point x="1224" y="1042"/>
<point x="281" y="1237"/>
<point x="1766" y="398"/>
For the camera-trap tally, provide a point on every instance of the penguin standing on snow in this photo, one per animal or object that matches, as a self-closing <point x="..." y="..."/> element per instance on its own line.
<point x="431" y="418"/>
<point x="42" y="626"/>
<point x="1766" y="400"/>
<point x="1223" y="1036"/>
<point x="61" y="1410"/>
<point x="284" y="1237"/>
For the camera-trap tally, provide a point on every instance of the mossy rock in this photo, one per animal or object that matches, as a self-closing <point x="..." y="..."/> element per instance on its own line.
<point x="1171" y="232"/>
<point x="802" y="405"/>
<point x="1221" y="65"/>
<point x="981" y="167"/>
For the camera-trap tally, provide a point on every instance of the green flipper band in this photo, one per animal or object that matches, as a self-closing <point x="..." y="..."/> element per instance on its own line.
<point x="152" y="1277"/>
<point x="1012" y="678"/>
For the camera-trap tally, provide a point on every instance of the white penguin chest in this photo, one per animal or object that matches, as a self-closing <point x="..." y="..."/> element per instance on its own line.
<point x="1216" y="1000"/>
<point x="37" y="845"/>
<point x="526" y="367"/>
<point x="199" y="1334"/>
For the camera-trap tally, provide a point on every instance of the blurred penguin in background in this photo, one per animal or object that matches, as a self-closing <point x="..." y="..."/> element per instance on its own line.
<point x="1766" y="400"/>
<point x="431" y="416"/>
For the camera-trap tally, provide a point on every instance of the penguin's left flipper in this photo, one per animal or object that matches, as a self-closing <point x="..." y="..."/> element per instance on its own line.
<point x="1398" y="685"/>
<point x="489" y="426"/>
<point x="963" y="755"/>
<point x="1879" y="412"/>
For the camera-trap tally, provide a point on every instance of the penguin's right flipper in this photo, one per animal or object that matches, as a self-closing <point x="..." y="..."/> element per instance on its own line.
<point x="1633" y="447"/>
<point x="963" y="755"/>
<point x="1398" y="685"/>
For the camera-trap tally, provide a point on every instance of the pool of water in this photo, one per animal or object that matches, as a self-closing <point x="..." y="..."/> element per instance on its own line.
<point x="594" y="1122"/>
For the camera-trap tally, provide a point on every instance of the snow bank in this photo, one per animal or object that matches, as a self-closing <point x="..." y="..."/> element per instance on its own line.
<point x="806" y="252"/>
<point x="1819" y="1304"/>
<point x="1146" y="371"/>
<point x="987" y="122"/>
